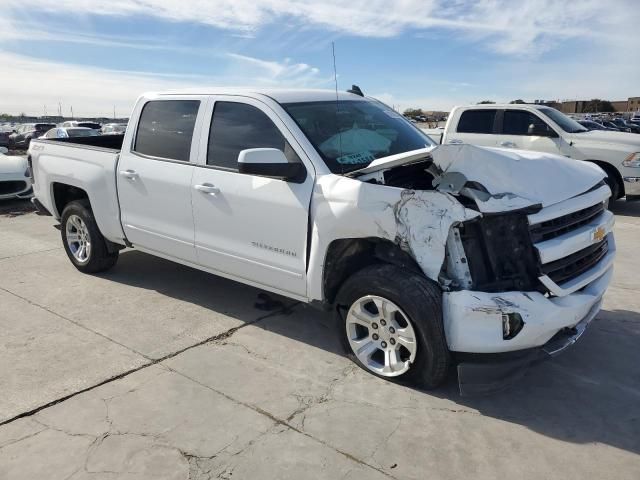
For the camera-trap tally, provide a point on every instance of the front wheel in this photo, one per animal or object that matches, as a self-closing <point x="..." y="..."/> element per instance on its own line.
<point x="390" y="323"/>
<point x="82" y="240"/>
<point x="613" y="184"/>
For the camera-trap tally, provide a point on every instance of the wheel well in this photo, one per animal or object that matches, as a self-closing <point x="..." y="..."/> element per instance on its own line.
<point x="611" y="170"/>
<point x="347" y="256"/>
<point x="64" y="194"/>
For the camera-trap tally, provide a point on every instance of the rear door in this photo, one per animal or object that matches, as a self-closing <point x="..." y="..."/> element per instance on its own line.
<point x="154" y="176"/>
<point x="250" y="227"/>
<point x="475" y="127"/>
<point x="515" y="126"/>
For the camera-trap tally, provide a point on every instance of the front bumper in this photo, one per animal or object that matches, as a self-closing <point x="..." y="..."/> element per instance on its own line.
<point x="481" y="374"/>
<point x="632" y="185"/>
<point x="473" y="320"/>
<point x="15" y="186"/>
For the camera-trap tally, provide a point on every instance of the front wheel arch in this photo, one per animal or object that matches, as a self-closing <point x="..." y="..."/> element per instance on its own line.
<point x="617" y="190"/>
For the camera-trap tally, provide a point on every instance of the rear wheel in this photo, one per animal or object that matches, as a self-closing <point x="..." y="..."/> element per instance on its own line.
<point x="390" y="323"/>
<point x="82" y="240"/>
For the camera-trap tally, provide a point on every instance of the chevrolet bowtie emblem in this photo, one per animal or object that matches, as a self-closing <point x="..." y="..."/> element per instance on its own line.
<point x="599" y="234"/>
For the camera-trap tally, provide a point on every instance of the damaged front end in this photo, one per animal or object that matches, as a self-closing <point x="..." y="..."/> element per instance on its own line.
<point x="520" y="243"/>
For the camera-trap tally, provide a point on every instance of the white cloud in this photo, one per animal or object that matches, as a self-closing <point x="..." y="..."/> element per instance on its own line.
<point x="505" y="26"/>
<point x="34" y="84"/>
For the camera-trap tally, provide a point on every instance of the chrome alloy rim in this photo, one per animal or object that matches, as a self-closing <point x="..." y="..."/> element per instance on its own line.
<point x="78" y="238"/>
<point x="381" y="336"/>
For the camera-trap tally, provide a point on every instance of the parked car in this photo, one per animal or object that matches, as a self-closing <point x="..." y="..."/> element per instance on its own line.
<point x="22" y="136"/>
<point x="84" y="124"/>
<point x="15" y="178"/>
<point x="69" y="132"/>
<point x="417" y="249"/>
<point x="544" y="129"/>
<point x="592" y="125"/>
<point x="626" y="125"/>
<point x="114" y="129"/>
<point x="613" y="126"/>
<point x="4" y="136"/>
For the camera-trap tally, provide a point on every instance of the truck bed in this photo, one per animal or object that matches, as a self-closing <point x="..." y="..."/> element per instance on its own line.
<point x="86" y="163"/>
<point x="111" y="142"/>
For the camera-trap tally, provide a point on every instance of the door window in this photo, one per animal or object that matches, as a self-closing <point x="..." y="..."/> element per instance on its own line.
<point x="517" y="122"/>
<point x="166" y="128"/>
<point x="477" y="121"/>
<point x="239" y="126"/>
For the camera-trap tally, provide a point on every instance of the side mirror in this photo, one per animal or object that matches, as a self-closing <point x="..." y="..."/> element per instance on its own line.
<point x="541" y="130"/>
<point x="270" y="162"/>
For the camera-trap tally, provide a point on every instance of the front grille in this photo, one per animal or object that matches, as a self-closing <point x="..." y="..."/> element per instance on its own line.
<point x="559" y="226"/>
<point x="13" y="186"/>
<point x="577" y="263"/>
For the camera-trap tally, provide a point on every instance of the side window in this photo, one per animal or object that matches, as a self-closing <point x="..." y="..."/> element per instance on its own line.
<point x="517" y="122"/>
<point x="239" y="126"/>
<point x="477" y="121"/>
<point x="166" y="128"/>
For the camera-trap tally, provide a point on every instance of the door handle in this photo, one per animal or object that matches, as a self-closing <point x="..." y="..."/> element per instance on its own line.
<point x="207" y="188"/>
<point x="130" y="174"/>
<point x="455" y="141"/>
<point x="508" y="144"/>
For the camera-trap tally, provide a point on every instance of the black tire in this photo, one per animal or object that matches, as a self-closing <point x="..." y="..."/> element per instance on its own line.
<point x="99" y="258"/>
<point x="421" y="300"/>
<point x="612" y="181"/>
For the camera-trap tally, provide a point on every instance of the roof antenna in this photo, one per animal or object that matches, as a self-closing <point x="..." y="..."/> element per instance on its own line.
<point x="335" y="79"/>
<point x="356" y="90"/>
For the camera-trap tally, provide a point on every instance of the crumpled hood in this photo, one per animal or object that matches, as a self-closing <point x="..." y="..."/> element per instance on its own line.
<point x="12" y="164"/>
<point x="514" y="178"/>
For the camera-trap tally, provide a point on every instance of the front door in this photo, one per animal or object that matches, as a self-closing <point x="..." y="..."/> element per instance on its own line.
<point x="154" y="178"/>
<point x="250" y="227"/>
<point x="515" y="133"/>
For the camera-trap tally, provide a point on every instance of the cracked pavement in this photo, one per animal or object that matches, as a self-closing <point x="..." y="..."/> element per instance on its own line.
<point x="154" y="370"/>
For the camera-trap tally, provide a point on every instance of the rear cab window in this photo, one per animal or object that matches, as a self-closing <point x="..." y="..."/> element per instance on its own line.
<point x="165" y="129"/>
<point x="477" y="121"/>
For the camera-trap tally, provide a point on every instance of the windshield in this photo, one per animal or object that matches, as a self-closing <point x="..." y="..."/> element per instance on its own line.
<point x="565" y="123"/>
<point x="350" y="134"/>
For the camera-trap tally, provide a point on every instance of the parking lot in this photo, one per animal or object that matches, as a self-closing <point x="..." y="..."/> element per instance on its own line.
<point x="154" y="370"/>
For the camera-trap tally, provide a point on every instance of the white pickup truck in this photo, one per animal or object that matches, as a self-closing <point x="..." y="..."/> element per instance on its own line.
<point x="544" y="129"/>
<point x="429" y="256"/>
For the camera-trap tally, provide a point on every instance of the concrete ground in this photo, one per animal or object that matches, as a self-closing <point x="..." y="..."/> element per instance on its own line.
<point x="158" y="371"/>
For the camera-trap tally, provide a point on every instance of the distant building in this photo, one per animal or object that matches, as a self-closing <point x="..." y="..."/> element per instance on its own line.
<point x="572" y="106"/>
<point x="633" y="104"/>
<point x="620" y="105"/>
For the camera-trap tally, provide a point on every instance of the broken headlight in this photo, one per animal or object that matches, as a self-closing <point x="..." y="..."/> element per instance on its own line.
<point x="500" y="253"/>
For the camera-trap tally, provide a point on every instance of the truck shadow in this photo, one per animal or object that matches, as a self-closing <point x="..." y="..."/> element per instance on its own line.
<point x="591" y="393"/>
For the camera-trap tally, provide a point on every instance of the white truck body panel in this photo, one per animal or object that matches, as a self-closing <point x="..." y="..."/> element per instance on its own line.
<point x="275" y="234"/>
<point x="610" y="148"/>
